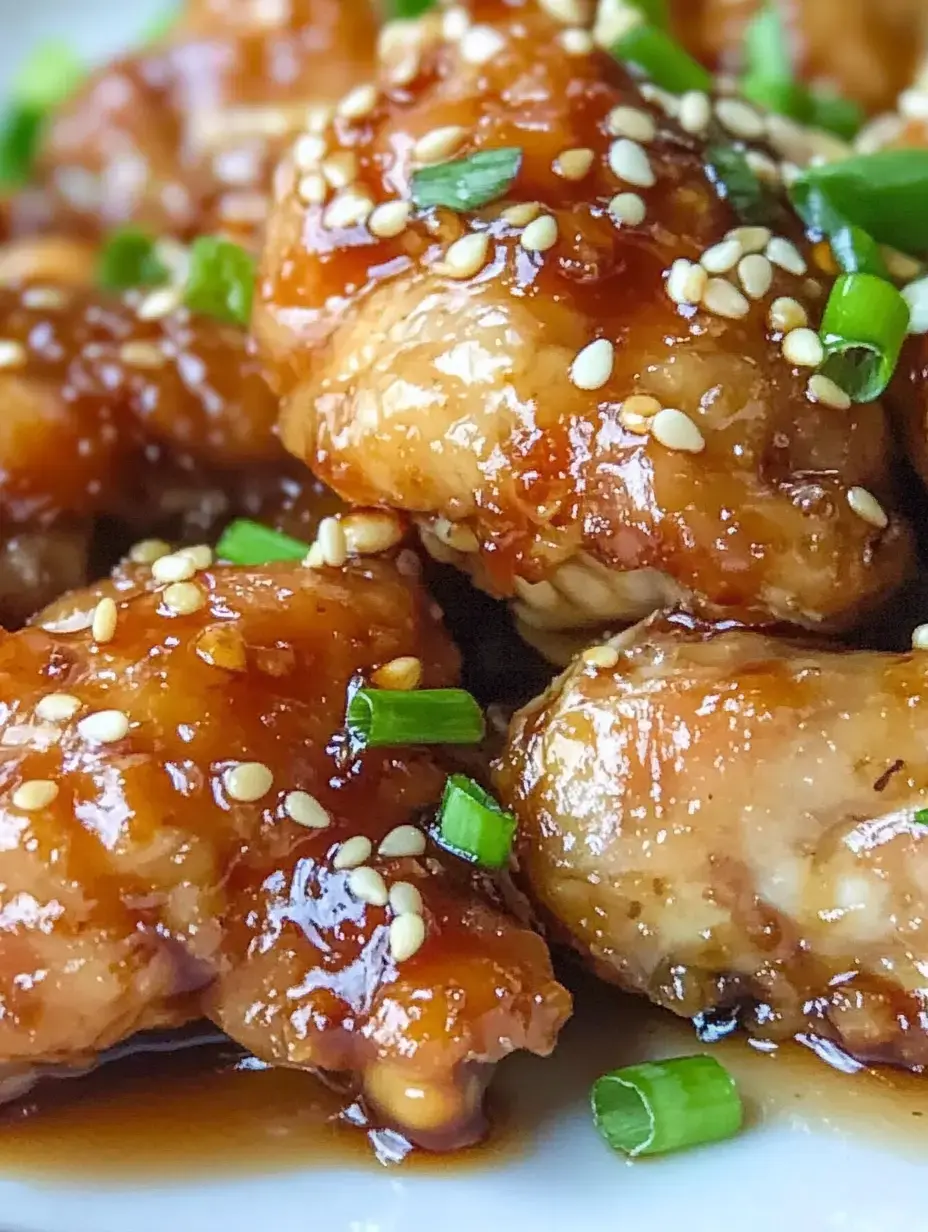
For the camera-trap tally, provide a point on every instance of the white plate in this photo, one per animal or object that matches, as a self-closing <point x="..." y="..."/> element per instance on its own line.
<point x="779" y="1175"/>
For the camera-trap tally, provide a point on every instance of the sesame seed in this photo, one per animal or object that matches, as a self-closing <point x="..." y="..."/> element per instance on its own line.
<point x="466" y="256"/>
<point x="34" y="794"/>
<point x="103" y="625"/>
<point x="147" y="551"/>
<point x="751" y="239"/>
<point x="309" y="151"/>
<point x="341" y="169"/>
<point x="675" y="430"/>
<point x="184" y="598"/>
<point x="370" y="532"/>
<point x="866" y="506"/>
<point x="439" y="144"/>
<point x="919" y="642"/>
<point x="601" y="656"/>
<point x="312" y="189"/>
<point x="353" y="852"/>
<point x="740" y="119"/>
<point x="405" y="898"/>
<point x="49" y="298"/>
<point x="540" y="235"/>
<point x="804" y="348"/>
<point x="407" y="933"/>
<point x="686" y="282"/>
<point x="455" y="535"/>
<point x="12" y="353"/>
<point x="695" y="112"/>
<point x="642" y="404"/>
<point x="313" y="558"/>
<point x="633" y="422"/>
<point x="823" y="389"/>
<point x="200" y="553"/>
<point x="57" y="707"/>
<point x="916" y="296"/>
<point x="402" y="841"/>
<point x="400" y="674"/>
<point x="763" y="167"/>
<point x="785" y="254"/>
<point x="247" y="781"/>
<point x="349" y="209"/>
<point x="592" y="367"/>
<point x="724" y="300"/>
<point x="522" y="214"/>
<point x="721" y="258"/>
<point x="574" y="164"/>
<point x="899" y="264"/>
<point x="577" y="42"/>
<point x="332" y="542"/>
<point x="628" y="208"/>
<point x="141" y="355"/>
<point x="631" y="122"/>
<point x="787" y="313"/>
<point x="480" y="44"/>
<point x="390" y="219"/>
<point x="104" y="726"/>
<point x="668" y="103"/>
<point x="367" y="885"/>
<point x="755" y="274"/>
<point x="306" y="810"/>
<point x="454" y="23"/>
<point x="159" y="304"/>
<point x="629" y="162"/>
<point x="358" y="103"/>
<point x="175" y="567"/>
<point x="570" y="12"/>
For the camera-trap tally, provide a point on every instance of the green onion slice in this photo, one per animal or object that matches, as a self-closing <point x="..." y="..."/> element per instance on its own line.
<point x="379" y="718"/>
<point x="20" y="136"/>
<point x="654" y="54"/>
<point x="768" y="78"/>
<point x="921" y="817"/>
<point x="473" y="824"/>
<point x="244" y="542"/>
<point x="841" y="116"/>
<point x="48" y="76"/>
<point x="653" y="11"/>
<point x="856" y="252"/>
<point x="665" y="1106"/>
<point x="467" y="183"/>
<point x="751" y="199"/>
<point x="129" y="259"/>
<point x="409" y="8"/>
<point x="221" y="280"/>
<point x="865" y="323"/>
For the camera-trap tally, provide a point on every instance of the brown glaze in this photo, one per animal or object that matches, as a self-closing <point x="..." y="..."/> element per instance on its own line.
<point x="451" y="397"/>
<point x="724" y="819"/>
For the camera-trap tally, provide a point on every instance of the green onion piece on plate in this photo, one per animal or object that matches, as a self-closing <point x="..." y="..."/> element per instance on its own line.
<point x="665" y="1106"/>
<point x="409" y="8"/>
<point x="21" y="130"/>
<point x="653" y="11"/>
<point x="380" y="718"/>
<point x="768" y="78"/>
<point x="751" y="199"/>
<point x="921" y="817"/>
<point x="856" y="252"/>
<point x="474" y="825"/>
<point x="467" y="183"/>
<point x="244" y="542"/>
<point x="655" y="55"/>
<point x="129" y="259"/>
<point x="841" y="116"/>
<point x="221" y="280"/>
<point x="48" y="76"/>
<point x="865" y="323"/>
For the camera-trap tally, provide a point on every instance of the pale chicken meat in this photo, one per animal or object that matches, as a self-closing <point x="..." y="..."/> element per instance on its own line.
<point x="184" y="823"/>
<point x="573" y="408"/>
<point x="722" y="821"/>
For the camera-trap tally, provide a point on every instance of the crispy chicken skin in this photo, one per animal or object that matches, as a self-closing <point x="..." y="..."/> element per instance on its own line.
<point x="149" y="889"/>
<point x="724" y="819"/>
<point x="183" y="136"/>
<point x="448" y="392"/>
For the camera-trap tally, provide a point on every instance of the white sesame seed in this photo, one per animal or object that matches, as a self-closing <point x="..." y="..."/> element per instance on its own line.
<point x="787" y="313"/>
<point x="309" y="151"/>
<point x="570" y="12"/>
<point x="577" y="42"/>
<point x="332" y="542"/>
<point x="686" y="282"/>
<point x="574" y="164"/>
<point x="466" y="256"/>
<point x="104" y="726"/>
<point x="641" y="404"/>
<point x="866" y="506"/>
<point x="341" y="169"/>
<point x="390" y="219"/>
<point x="480" y="44"/>
<point x="919" y="642"/>
<point x="405" y="898"/>
<point x="601" y="656"/>
<point x="12" y="353"/>
<point x="899" y="264"/>
<point x="540" y="234"/>
<point x="785" y="254"/>
<point x="200" y="553"/>
<point x="740" y="119"/>
<point x="312" y="189"/>
<point x="247" y="781"/>
<point x="353" y="852"/>
<point x="724" y="300"/>
<point x="628" y="208"/>
<point x="522" y="214"/>
<point x="369" y="532"/>
<point x="147" y="551"/>
<point x="454" y="23"/>
<point x="751" y="239"/>
<point x="721" y="258"/>
<point x="175" y="567"/>
<point x="313" y="558"/>
<point x="823" y="389"/>
<point x="57" y="707"/>
<point x="592" y="367"/>
<point x="103" y="625"/>
<point x="695" y="112"/>
<point x="916" y="296"/>
<point x="668" y="103"/>
<point x="629" y="162"/>
<point x="614" y="19"/>
<point x="455" y="535"/>
<point x="755" y="274"/>
<point x="184" y="598"/>
<point x="763" y="167"/>
<point x="159" y="304"/>
<point x="675" y="430"/>
<point x="803" y="347"/>
<point x="142" y="355"/>
<point x="349" y="209"/>
<point x="407" y="933"/>
<point x="306" y="810"/>
<point x="400" y="674"/>
<point x="44" y="297"/>
<point x="402" y="841"/>
<point x="631" y="122"/>
<point x="367" y="885"/>
<point x="358" y="103"/>
<point x="34" y="794"/>
<point x="438" y="144"/>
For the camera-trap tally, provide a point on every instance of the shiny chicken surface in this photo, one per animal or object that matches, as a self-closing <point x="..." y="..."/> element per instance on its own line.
<point x="152" y="871"/>
<point x="438" y="362"/>
<point x="723" y="820"/>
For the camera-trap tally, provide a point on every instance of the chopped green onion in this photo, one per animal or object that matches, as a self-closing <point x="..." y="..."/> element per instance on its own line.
<point x="865" y="324"/>
<point x="751" y="200"/>
<point x="129" y="259"/>
<point x="921" y="817"/>
<point x="655" y="55"/>
<point x="48" y="76"/>
<point x="20" y="136"/>
<point x="856" y="252"/>
<point x="666" y="1105"/>
<point x="472" y="824"/>
<point x="467" y="183"/>
<point x="841" y="116"/>
<point x="768" y="78"/>
<point x="249" y="543"/>
<point x="409" y="8"/>
<point x="221" y="280"/>
<point x="653" y="11"/>
<point x="384" y="717"/>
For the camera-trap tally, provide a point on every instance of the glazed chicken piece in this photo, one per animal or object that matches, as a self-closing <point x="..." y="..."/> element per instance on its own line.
<point x="720" y="820"/>
<point x="523" y="377"/>
<point x="182" y="136"/>
<point x="183" y="819"/>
